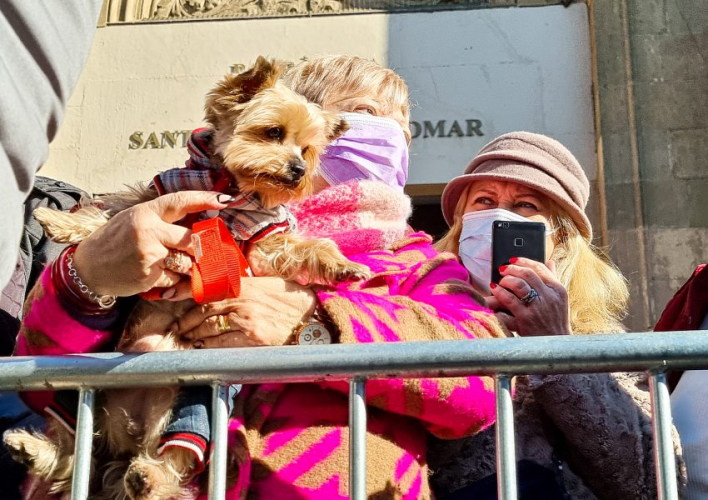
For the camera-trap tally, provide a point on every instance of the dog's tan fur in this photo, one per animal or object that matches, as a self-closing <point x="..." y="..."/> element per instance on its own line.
<point x="261" y="129"/>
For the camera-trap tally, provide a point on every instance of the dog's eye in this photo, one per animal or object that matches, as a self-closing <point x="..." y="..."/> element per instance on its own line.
<point x="305" y="150"/>
<point x="275" y="133"/>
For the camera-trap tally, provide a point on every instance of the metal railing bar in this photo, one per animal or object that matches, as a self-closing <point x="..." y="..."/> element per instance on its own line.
<point x="505" y="439"/>
<point x="664" y="457"/>
<point x="83" y="446"/>
<point x="559" y="354"/>
<point x="357" y="439"/>
<point x="219" y="441"/>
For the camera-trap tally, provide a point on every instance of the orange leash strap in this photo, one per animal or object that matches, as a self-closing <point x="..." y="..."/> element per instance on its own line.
<point x="218" y="262"/>
<point x="217" y="266"/>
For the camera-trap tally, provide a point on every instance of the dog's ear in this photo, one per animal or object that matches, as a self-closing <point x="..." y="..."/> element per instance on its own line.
<point x="336" y="126"/>
<point x="238" y="89"/>
<point x="70" y="227"/>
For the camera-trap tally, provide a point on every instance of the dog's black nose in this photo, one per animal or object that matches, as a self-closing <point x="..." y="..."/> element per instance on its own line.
<point x="297" y="170"/>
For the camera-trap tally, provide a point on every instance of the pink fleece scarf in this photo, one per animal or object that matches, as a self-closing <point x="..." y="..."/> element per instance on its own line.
<point x="361" y="216"/>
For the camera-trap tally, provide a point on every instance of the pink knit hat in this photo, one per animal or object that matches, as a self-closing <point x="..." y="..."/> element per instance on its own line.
<point x="534" y="160"/>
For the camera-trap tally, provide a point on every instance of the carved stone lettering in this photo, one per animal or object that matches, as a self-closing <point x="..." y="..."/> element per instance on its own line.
<point x="474" y="127"/>
<point x="122" y="11"/>
<point x="171" y="139"/>
<point x="415" y="129"/>
<point x="135" y="141"/>
<point x="430" y="130"/>
<point x="456" y="130"/>
<point x="152" y="142"/>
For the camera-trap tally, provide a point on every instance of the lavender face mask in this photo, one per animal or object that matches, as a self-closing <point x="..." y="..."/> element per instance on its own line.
<point x="373" y="148"/>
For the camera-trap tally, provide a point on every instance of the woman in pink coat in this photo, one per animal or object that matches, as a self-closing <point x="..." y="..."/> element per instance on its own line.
<point x="291" y="441"/>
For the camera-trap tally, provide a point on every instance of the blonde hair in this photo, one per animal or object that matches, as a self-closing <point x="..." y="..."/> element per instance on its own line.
<point x="329" y="79"/>
<point x="597" y="291"/>
<point x="450" y="241"/>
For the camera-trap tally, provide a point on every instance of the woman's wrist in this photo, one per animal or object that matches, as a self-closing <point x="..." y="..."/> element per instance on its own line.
<point x="316" y="327"/>
<point x="71" y="289"/>
<point x="320" y="315"/>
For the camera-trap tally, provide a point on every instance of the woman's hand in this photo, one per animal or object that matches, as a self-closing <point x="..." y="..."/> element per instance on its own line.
<point x="547" y="314"/>
<point x="265" y="313"/>
<point x="127" y="255"/>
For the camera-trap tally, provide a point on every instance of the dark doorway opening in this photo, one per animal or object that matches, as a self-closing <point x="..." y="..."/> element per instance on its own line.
<point x="428" y="217"/>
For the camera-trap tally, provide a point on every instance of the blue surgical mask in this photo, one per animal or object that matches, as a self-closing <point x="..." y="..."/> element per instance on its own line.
<point x="373" y="148"/>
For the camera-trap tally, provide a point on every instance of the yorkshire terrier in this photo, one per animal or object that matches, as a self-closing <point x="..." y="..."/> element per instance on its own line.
<point x="269" y="139"/>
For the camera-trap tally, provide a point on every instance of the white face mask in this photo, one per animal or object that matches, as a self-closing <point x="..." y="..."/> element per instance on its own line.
<point x="476" y="243"/>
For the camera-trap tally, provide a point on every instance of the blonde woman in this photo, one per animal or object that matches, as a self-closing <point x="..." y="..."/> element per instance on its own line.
<point x="578" y="436"/>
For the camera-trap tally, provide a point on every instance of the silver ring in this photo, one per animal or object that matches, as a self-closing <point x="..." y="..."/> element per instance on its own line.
<point x="529" y="297"/>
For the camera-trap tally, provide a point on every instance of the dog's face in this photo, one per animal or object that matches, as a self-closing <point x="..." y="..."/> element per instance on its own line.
<point x="269" y="137"/>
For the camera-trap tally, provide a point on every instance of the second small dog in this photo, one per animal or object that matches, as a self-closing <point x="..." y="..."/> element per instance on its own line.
<point x="269" y="140"/>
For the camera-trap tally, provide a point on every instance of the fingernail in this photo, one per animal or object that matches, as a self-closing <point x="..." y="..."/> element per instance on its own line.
<point x="492" y="286"/>
<point x="225" y="198"/>
<point x="513" y="260"/>
<point x="502" y="268"/>
<point x="198" y="344"/>
<point x="169" y="293"/>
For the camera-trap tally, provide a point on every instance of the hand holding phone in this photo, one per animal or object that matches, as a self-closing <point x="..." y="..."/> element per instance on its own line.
<point x="516" y="239"/>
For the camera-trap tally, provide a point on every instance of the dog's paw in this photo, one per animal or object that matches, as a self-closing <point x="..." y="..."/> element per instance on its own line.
<point x="354" y="272"/>
<point x="137" y="484"/>
<point x="333" y="274"/>
<point x="40" y="455"/>
<point x="153" y="479"/>
<point x="21" y="446"/>
<point x="350" y="272"/>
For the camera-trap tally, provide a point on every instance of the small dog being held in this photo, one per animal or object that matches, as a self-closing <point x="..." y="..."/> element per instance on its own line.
<point x="268" y="139"/>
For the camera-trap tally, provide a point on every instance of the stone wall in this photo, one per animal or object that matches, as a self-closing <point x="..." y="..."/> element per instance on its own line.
<point x="653" y="86"/>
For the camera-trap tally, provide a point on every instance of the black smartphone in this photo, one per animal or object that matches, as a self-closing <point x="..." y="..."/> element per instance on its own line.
<point x="516" y="239"/>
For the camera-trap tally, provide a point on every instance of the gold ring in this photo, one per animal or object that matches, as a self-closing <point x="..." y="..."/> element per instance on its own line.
<point x="222" y="324"/>
<point x="174" y="261"/>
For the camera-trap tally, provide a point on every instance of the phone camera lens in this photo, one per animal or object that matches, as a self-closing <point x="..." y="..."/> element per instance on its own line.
<point x="506" y="225"/>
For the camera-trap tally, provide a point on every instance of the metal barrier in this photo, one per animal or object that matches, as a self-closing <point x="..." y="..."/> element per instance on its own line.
<point x="503" y="358"/>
